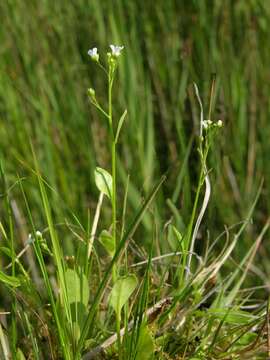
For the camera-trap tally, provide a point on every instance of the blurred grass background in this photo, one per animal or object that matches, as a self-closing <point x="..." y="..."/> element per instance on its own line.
<point x="45" y="73"/>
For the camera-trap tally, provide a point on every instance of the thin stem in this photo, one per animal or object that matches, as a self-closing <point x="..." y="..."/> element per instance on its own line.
<point x="113" y="159"/>
<point x="118" y="330"/>
<point x="102" y="67"/>
<point x="110" y="84"/>
<point x="114" y="202"/>
<point x="190" y="226"/>
<point x="114" y="210"/>
<point x="201" y="214"/>
<point x="96" y="104"/>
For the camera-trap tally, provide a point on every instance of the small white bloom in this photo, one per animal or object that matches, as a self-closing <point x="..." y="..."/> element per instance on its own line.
<point x="219" y="123"/>
<point x="116" y="50"/>
<point x="205" y="124"/>
<point x="38" y="233"/>
<point x="30" y="239"/>
<point x="93" y="53"/>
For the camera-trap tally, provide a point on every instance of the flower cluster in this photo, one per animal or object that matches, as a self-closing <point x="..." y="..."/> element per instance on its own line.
<point x="115" y="52"/>
<point x="209" y="123"/>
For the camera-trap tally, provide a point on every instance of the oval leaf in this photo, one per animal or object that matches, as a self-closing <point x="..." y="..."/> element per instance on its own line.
<point x="77" y="287"/>
<point x="145" y="347"/>
<point x="103" y="181"/>
<point x="121" y="292"/>
<point x="19" y="355"/>
<point x="107" y="241"/>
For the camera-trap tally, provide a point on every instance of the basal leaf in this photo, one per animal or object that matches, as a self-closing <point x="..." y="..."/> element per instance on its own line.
<point x="145" y="347"/>
<point x="103" y="181"/>
<point x="121" y="292"/>
<point x="77" y="287"/>
<point x="107" y="241"/>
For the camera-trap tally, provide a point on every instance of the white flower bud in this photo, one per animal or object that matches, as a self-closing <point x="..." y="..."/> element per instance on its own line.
<point x="91" y="92"/>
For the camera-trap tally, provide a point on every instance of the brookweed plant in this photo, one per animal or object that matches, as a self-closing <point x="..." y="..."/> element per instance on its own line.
<point x="174" y="305"/>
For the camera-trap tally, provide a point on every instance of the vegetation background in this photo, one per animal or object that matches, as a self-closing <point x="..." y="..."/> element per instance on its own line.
<point x="44" y="75"/>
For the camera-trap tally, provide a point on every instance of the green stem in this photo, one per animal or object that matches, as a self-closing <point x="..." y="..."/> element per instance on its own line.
<point x="189" y="232"/>
<point x="114" y="201"/>
<point x="110" y="83"/>
<point x="113" y="159"/>
<point x="194" y="210"/>
<point x="118" y="327"/>
<point x="96" y="104"/>
<point x="114" y="209"/>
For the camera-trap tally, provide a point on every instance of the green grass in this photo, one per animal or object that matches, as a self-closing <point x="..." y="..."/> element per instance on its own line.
<point x="55" y="297"/>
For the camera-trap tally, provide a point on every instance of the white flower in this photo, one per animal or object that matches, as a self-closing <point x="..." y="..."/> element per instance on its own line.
<point x="219" y="123"/>
<point x="93" y="53"/>
<point x="205" y="124"/>
<point x="116" y="50"/>
<point x="30" y="239"/>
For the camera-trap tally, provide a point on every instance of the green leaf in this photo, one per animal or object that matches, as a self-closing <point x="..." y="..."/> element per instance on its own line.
<point x="9" y="280"/>
<point x="77" y="287"/>
<point x="19" y="355"/>
<point x="145" y="347"/>
<point x="5" y="250"/>
<point x="175" y="238"/>
<point x="234" y="316"/>
<point x="178" y="235"/>
<point x="120" y="124"/>
<point x="247" y="339"/>
<point x="78" y="296"/>
<point x="107" y="241"/>
<point x="103" y="181"/>
<point x="121" y="292"/>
